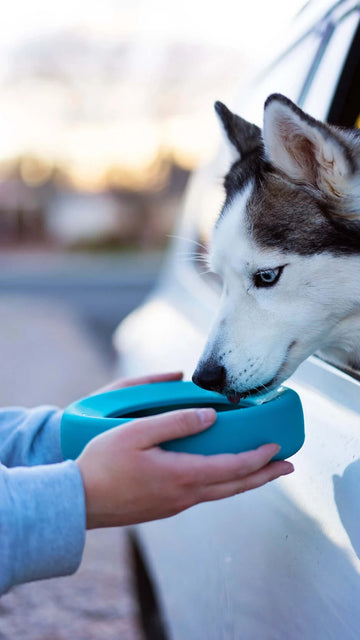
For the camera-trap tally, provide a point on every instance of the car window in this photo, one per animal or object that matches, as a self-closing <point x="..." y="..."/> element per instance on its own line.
<point x="289" y="75"/>
<point x="345" y="106"/>
<point x="332" y="66"/>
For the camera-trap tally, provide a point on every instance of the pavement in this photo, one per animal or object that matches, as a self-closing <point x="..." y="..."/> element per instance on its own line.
<point x="49" y="355"/>
<point x="100" y="288"/>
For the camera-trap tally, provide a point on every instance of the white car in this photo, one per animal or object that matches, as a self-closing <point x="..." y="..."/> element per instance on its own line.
<point x="281" y="562"/>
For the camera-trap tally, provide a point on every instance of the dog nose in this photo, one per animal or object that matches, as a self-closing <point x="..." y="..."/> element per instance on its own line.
<point x="211" y="377"/>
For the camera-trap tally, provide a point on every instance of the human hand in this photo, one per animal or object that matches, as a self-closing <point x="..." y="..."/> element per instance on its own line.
<point x="147" y="379"/>
<point x="129" y="479"/>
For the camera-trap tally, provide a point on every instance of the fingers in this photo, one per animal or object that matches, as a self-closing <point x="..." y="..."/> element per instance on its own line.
<point x="220" y="476"/>
<point x="254" y="480"/>
<point x="225" y="467"/>
<point x="241" y="479"/>
<point x="148" y="379"/>
<point x="155" y="377"/>
<point x="150" y="432"/>
<point x="222" y="468"/>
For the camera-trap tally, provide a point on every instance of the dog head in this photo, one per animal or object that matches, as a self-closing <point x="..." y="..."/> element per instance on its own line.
<point x="285" y="246"/>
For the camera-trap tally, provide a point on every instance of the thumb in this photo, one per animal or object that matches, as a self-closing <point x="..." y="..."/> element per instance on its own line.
<point x="149" y="432"/>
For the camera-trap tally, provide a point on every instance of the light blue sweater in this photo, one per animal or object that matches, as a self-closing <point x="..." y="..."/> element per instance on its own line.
<point x="42" y="505"/>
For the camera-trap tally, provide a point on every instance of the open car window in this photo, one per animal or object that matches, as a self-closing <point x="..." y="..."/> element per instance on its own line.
<point x="335" y="82"/>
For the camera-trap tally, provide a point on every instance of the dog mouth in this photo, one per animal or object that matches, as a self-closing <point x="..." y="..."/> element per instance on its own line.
<point x="236" y="396"/>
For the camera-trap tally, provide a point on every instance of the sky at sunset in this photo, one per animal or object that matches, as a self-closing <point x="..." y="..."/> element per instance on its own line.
<point x="91" y="85"/>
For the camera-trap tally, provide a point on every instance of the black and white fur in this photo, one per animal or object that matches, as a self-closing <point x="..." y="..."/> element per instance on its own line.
<point x="287" y="247"/>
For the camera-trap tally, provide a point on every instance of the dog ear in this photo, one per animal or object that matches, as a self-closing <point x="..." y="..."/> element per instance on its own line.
<point x="305" y="149"/>
<point x="243" y="136"/>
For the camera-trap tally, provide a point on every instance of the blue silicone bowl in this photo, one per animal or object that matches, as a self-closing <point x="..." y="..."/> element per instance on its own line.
<point x="274" y="418"/>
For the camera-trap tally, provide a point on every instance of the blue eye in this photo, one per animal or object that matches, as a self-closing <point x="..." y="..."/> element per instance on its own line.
<point x="267" y="277"/>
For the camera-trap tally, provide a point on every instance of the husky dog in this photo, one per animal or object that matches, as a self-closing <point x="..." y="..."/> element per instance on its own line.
<point x="287" y="247"/>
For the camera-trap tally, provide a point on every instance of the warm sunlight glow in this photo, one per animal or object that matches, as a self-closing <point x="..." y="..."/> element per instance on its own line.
<point x="88" y="85"/>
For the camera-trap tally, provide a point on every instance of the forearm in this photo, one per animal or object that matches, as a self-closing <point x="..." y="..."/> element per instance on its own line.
<point x="42" y="522"/>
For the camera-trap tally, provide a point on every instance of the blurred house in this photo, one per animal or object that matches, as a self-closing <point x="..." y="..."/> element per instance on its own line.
<point x="22" y="213"/>
<point x="52" y="211"/>
<point x="125" y="117"/>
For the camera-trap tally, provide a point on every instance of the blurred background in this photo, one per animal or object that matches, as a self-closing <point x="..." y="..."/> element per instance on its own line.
<point x="105" y="110"/>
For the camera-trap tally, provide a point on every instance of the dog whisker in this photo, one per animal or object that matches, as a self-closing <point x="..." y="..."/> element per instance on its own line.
<point x="197" y="259"/>
<point x="194" y="254"/>
<point x="177" y="237"/>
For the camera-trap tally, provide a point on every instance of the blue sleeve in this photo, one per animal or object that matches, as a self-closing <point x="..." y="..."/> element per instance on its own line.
<point x="42" y="504"/>
<point x="30" y="436"/>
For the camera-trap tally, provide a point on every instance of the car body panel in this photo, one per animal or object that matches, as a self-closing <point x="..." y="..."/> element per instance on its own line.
<point x="281" y="562"/>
